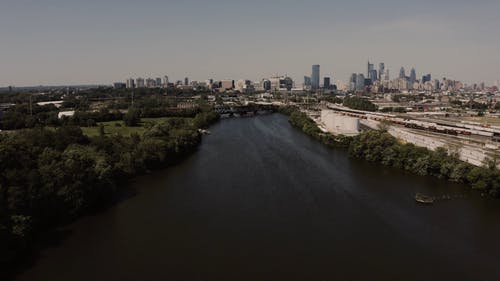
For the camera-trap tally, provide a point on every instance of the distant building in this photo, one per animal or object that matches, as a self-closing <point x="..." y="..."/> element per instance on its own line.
<point x="402" y="73"/>
<point x="426" y="78"/>
<point x="352" y="82"/>
<point x="381" y="70"/>
<point x="130" y="83"/>
<point x="165" y="81"/>
<point x="227" y="85"/>
<point x="371" y="72"/>
<point x="286" y="83"/>
<point x="360" y="82"/>
<point x="245" y="86"/>
<point x="158" y="82"/>
<point x="266" y="85"/>
<point x="436" y="85"/>
<point x="315" y="76"/>
<point x="139" y="83"/>
<point x="326" y="83"/>
<point x="186" y="81"/>
<point x="281" y="83"/>
<point x="119" y="85"/>
<point x="307" y="81"/>
<point x="150" y="83"/>
<point x="413" y="76"/>
<point x="373" y="75"/>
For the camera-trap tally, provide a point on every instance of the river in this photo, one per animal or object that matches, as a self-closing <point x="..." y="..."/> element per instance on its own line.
<point x="260" y="200"/>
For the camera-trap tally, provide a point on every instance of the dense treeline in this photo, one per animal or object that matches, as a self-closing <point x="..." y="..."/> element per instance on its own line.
<point x="359" y="104"/>
<point x="89" y="119"/>
<point x="20" y="117"/>
<point x="381" y="147"/>
<point x="50" y="177"/>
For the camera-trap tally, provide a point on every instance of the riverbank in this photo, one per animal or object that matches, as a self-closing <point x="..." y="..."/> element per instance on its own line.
<point x="380" y="147"/>
<point x="260" y="200"/>
<point x="51" y="177"/>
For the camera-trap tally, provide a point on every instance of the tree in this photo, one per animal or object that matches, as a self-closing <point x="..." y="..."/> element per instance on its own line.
<point x="132" y="118"/>
<point x="101" y="131"/>
<point x="359" y="104"/>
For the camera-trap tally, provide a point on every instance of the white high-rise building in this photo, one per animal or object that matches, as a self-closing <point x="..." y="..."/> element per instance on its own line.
<point x="130" y="83"/>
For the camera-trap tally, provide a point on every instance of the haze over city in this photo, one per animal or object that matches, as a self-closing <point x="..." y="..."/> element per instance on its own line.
<point x="55" y="42"/>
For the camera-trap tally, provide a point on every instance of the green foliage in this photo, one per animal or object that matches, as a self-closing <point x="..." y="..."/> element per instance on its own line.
<point x="381" y="147"/>
<point x="205" y="119"/>
<point x="50" y="177"/>
<point x="132" y="118"/>
<point x="359" y="104"/>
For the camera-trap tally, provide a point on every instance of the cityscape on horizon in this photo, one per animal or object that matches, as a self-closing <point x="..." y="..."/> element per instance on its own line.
<point x="378" y="79"/>
<point x="382" y="73"/>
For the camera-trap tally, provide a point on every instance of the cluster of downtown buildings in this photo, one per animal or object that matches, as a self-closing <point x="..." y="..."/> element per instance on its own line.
<point x="273" y="83"/>
<point x="375" y="80"/>
<point x="379" y="81"/>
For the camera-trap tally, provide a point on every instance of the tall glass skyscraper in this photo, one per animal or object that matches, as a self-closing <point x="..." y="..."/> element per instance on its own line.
<point x="370" y="69"/>
<point x="402" y="73"/>
<point x="413" y="75"/>
<point x="315" y="76"/>
<point x="381" y="70"/>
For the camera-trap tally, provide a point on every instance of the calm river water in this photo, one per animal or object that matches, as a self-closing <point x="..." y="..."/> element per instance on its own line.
<point x="262" y="201"/>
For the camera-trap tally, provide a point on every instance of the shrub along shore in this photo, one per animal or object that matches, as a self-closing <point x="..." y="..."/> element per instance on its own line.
<point x="50" y="177"/>
<point x="380" y="147"/>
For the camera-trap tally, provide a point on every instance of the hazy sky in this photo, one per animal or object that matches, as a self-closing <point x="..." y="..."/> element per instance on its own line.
<point x="53" y="42"/>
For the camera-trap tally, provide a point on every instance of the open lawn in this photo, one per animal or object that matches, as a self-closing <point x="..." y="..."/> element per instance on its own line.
<point x="118" y="127"/>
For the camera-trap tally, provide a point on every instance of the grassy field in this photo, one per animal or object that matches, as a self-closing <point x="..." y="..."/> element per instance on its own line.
<point x="118" y="127"/>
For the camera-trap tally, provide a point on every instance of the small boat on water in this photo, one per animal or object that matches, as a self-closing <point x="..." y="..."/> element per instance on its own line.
<point x="204" y="132"/>
<point x="424" y="199"/>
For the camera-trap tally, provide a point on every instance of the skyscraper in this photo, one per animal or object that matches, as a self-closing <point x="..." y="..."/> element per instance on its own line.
<point x="315" y="76"/>
<point x="373" y="75"/>
<point x="413" y="76"/>
<point x="352" y="82"/>
<point x="381" y="70"/>
<point x="426" y="78"/>
<point x="360" y="82"/>
<point x="130" y="83"/>
<point x="326" y="83"/>
<point x="307" y="81"/>
<point x="370" y="69"/>
<point x="402" y="73"/>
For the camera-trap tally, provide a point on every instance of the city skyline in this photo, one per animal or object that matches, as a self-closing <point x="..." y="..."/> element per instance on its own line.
<point x="57" y="42"/>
